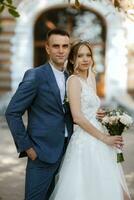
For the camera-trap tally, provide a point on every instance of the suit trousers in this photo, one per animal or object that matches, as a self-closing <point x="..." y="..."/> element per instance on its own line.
<point x="40" y="178"/>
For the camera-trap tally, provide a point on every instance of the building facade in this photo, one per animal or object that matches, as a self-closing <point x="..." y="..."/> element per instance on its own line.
<point x="22" y="42"/>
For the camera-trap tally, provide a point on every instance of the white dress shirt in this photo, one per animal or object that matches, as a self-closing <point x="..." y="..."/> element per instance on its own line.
<point x="60" y="79"/>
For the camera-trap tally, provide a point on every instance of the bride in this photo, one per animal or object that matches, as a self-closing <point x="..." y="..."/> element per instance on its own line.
<point x="89" y="170"/>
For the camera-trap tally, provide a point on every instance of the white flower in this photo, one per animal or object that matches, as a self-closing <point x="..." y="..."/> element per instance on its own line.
<point x="113" y="119"/>
<point x="105" y="120"/>
<point x="117" y="113"/>
<point x="126" y="119"/>
<point x="116" y="117"/>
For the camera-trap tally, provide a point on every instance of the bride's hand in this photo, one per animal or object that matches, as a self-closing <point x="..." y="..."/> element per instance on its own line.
<point x="100" y="114"/>
<point x="116" y="141"/>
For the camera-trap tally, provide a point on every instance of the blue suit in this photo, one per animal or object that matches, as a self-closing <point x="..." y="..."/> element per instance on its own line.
<point x="39" y="95"/>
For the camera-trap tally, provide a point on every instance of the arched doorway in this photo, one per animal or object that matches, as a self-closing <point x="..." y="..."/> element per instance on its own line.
<point x="23" y="42"/>
<point x="86" y="24"/>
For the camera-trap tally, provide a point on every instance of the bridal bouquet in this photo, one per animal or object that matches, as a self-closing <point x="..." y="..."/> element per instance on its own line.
<point x="116" y="121"/>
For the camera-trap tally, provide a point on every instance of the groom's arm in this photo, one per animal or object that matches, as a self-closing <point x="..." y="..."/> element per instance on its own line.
<point x="20" y="102"/>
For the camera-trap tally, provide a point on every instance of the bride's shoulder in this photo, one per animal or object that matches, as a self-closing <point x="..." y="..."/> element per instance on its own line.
<point x="73" y="79"/>
<point x="73" y="83"/>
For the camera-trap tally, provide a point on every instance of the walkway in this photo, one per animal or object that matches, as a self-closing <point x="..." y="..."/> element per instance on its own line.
<point x="12" y="169"/>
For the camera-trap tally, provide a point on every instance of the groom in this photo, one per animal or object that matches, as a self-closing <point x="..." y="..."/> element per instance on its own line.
<point x="41" y="93"/>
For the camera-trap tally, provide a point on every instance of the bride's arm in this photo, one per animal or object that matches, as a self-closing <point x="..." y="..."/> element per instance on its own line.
<point x="74" y="92"/>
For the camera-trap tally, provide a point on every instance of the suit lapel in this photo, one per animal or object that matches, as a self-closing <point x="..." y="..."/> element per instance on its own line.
<point x="53" y="84"/>
<point x="66" y="75"/>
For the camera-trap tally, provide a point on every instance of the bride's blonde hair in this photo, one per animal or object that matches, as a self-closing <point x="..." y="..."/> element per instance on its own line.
<point x="73" y="55"/>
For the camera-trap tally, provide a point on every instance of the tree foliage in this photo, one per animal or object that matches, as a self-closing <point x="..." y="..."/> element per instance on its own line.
<point x="125" y="6"/>
<point x="8" y="4"/>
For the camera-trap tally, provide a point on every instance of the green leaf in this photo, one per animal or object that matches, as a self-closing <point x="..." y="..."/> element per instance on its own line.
<point x="120" y="157"/>
<point x="11" y="6"/>
<point x="9" y="1"/>
<point x="14" y="13"/>
<point x="2" y="8"/>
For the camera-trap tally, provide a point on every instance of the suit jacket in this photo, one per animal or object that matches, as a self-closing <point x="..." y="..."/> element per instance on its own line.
<point x="39" y="95"/>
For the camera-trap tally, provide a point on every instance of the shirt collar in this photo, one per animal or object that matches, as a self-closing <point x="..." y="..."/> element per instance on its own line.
<point x="56" y="70"/>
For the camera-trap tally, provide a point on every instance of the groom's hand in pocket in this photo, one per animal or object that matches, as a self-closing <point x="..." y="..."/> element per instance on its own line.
<point x="31" y="153"/>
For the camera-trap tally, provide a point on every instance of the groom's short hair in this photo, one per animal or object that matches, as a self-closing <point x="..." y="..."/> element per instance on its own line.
<point x="57" y="31"/>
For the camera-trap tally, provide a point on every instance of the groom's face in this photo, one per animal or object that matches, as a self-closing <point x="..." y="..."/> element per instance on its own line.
<point x="58" y="47"/>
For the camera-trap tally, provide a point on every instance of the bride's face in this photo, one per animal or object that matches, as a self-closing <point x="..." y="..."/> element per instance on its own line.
<point x="84" y="58"/>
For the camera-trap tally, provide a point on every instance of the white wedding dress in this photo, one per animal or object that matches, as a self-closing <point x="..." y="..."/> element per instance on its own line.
<point x="89" y="170"/>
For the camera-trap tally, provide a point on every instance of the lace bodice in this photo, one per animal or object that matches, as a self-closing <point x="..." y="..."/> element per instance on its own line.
<point x="90" y="102"/>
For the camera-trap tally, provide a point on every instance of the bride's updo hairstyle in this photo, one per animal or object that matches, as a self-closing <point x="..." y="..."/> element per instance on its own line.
<point x="71" y="65"/>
